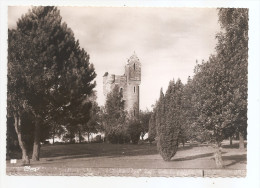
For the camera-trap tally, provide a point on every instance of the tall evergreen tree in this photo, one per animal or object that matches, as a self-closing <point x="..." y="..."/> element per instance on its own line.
<point x="152" y="132"/>
<point x="169" y="120"/>
<point x="186" y="132"/>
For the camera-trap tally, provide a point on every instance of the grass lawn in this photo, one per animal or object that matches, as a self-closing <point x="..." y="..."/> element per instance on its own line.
<point x="142" y="156"/>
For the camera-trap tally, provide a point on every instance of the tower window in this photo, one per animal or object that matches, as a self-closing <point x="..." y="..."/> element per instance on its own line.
<point x="134" y="66"/>
<point x="134" y="89"/>
<point x="134" y="112"/>
<point x="121" y="90"/>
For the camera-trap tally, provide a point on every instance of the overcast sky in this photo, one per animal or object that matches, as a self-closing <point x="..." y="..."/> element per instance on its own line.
<point x="167" y="41"/>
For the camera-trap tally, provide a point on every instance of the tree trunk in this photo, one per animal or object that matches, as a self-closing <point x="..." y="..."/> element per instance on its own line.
<point x="88" y="137"/>
<point x="53" y="137"/>
<point x="36" y="143"/>
<point x="241" y="141"/>
<point x="17" y="125"/>
<point x="230" y="141"/>
<point x="142" y="135"/>
<point x="79" y="136"/>
<point x="71" y="139"/>
<point x="218" y="156"/>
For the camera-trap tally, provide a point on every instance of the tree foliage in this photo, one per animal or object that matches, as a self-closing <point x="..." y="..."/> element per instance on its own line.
<point x="144" y="117"/>
<point x="93" y="124"/>
<point x="115" y="117"/>
<point x="134" y="130"/>
<point x="152" y="126"/>
<point x="232" y="51"/>
<point x="52" y="72"/>
<point x="221" y="82"/>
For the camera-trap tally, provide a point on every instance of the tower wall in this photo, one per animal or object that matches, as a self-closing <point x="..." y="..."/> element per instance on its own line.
<point x="111" y="80"/>
<point x="108" y="83"/>
<point x="132" y="102"/>
<point x="133" y="73"/>
<point x="122" y="84"/>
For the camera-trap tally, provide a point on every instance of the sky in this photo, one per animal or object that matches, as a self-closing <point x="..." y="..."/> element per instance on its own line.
<point x="168" y="41"/>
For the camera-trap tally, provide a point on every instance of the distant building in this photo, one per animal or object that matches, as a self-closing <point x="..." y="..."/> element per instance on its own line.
<point x="127" y="83"/>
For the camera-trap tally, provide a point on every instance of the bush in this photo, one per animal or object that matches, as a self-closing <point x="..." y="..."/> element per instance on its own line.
<point x="134" y="130"/>
<point x="115" y="138"/>
<point x="152" y="127"/>
<point x="118" y="135"/>
<point x="97" y="139"/>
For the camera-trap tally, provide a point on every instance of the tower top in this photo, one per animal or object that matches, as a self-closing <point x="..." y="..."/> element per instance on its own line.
<point x="133" y="58"/>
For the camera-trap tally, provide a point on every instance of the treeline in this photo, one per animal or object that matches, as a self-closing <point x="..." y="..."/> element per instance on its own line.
<point x="50" y="82"/>
<point x="212" y="106"/>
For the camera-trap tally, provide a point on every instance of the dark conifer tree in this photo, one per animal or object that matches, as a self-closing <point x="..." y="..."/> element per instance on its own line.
<point x="169" y="120"/>
<point x="152" y="126"/>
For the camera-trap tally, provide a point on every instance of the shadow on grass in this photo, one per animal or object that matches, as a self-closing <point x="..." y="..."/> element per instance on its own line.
<point x="104" y="150"/>
<point x="84" y="150"/>
<point x="194" y="157"/>
<point x="70" y="151"/>
<point x="191" y="146"/>
<point x="181" y="148"/>
<point x="233" y="146"/>
<point x="235" y="159"/>
<point x="74" y="151"/>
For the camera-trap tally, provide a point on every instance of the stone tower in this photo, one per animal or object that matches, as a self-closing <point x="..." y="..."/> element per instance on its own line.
<point x="128" y="84"/>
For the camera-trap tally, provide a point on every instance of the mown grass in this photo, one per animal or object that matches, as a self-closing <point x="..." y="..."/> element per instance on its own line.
<point x="141" y="156"/>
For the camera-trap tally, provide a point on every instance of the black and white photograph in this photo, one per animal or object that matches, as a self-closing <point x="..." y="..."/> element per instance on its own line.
<point x="127" y="91"/>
